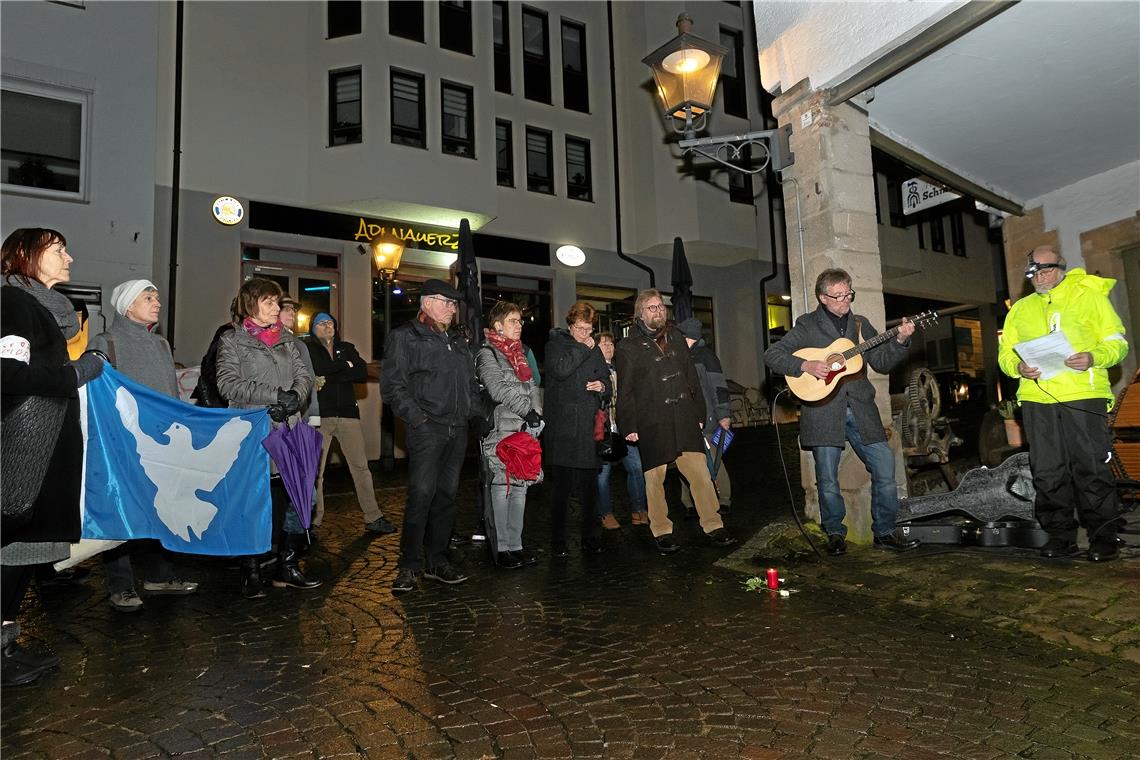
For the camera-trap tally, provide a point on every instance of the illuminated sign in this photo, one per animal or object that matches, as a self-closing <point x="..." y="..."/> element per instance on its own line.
<point x="412" y="237"/>
<point x="228" y="210"/>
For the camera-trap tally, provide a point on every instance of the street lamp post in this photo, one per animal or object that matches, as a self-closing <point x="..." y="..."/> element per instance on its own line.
<point x="685" y="70"/>
<point x="387" y="251"/>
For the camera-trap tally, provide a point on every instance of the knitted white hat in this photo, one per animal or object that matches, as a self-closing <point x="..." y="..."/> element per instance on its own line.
<point x="125" y="294"/>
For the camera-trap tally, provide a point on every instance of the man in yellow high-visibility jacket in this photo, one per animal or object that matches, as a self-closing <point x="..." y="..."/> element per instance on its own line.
<point x="1065" y="416"/>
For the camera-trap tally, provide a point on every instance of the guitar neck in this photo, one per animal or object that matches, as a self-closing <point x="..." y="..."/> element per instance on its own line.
<point x="870" y="343"/>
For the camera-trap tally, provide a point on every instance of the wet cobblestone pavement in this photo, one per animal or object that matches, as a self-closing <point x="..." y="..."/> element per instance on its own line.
<point x="629" y="654"/>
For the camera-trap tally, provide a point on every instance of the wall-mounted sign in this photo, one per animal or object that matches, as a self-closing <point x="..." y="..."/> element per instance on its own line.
<point x="330" y="225"/>
<point x="918" y="195"/>
<point x="228" y="211"/>
<point x="413" y="237"/>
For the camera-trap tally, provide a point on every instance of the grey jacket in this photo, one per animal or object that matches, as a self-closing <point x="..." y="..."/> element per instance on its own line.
<point x="139" y="354"/>
<point x="714" y="385"/>
<point x="515" y="399"/>
<point x="823" y="423"/>
<point x="251" y="373"/>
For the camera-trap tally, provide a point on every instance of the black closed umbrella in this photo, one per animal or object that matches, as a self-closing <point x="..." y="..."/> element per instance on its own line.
<point x="471" y="309"/>
<point x="682" y="283"/>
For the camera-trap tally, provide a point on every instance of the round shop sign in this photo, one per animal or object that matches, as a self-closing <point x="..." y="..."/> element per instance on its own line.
<point x="228" y="211"/>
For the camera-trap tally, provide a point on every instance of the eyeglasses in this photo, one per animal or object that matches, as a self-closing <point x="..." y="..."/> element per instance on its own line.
<point x="288" y="307"/>
<point x="655" y="307"/>
<point x="848" y="296"/>
<point x="1033" y="269"/>
<point x="512" y="321"/>
<point x="446" y="301"/>
<point x="583" y="329"/>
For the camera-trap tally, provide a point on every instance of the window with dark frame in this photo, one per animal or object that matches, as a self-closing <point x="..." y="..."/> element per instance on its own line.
<point x="575" y="83"/>
<point x="732" y="73"/>
<point x="894" y="203"/>
<point x="455" y="26"/>
<point x="52" y="162"/>
<point x="937" y="234"/>
<point x="345" y="124"/>
<point x="501" y="31"/>
<point x="457" y="114"/>
<point x="536" y="56"/>
<point x="740" y="183"/>
<point x="406" y="19"/>
<point x="539" y="161"/>
<point x="343" y="17"/>
<point x="408" y="109"/>
<point x="504" y="153"/>
<point x="957" y="234"/>
<point x="579" y="177"/>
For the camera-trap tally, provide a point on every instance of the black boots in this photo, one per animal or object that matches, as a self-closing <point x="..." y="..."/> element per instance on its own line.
<point x="251" y="578"/>
<point x="288" y="570"/>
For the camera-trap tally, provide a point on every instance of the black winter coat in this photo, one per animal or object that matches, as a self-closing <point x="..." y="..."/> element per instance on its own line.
<point x="427" y="375"/>
<point x="49" y="373"/>
<point x="338" y="396"/>
<point x="824" y="422"/>
<point x="568" y="440"/>
<point x="659" y="397"/>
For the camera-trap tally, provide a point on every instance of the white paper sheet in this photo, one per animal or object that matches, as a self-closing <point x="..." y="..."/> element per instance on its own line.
<point x="1047" y="353"/>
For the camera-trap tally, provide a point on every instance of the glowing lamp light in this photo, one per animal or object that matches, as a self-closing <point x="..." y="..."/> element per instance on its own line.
<point x="570" y="255"/>
<point x="685" y="70"/>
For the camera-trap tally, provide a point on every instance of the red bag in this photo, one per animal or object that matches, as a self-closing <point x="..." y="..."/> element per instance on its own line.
<point x="522" y="455"/>
<point x="600" y="423"/>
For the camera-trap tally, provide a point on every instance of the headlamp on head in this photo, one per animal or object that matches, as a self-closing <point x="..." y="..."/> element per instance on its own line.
<point x="1033" y="267"/>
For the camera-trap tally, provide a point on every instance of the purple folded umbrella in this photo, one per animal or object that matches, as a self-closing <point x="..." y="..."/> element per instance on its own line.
<point x="297" y="453"/>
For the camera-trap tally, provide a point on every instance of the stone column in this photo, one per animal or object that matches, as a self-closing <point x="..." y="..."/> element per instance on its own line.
<point x="835" y="185"/>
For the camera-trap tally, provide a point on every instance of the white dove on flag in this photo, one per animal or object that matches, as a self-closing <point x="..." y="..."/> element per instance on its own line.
<point x="178" y="470"/>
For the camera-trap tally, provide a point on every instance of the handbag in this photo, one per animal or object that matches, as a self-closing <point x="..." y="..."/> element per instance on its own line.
<point x="30" y="432"/>
<point x="613" y="447"/>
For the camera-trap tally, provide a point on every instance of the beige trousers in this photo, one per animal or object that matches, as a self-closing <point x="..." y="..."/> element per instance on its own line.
<point x="692" y="466"/>
<point x="347" y="431"/>
<point x="723" y="488"/>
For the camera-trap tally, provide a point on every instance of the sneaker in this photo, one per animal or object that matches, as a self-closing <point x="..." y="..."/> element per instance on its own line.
<point x="445" y="573"/>
<point x="525" y="556"/>
<point x="406" y="580"/>
<point x="22" y="667"/>
<point x="507" y="560"/>
<point x="836" y="545"/>
<point x="666" y="544"/>
<point x="126" y="601"/>
<point x="174" y="586"/>
<point x="639" y="518"/>
<point x="609" y="522"/>
<point x="381" y="526"/>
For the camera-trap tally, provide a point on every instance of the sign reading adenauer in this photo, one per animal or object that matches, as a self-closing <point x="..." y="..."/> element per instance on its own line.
<point x="918" y="195"/>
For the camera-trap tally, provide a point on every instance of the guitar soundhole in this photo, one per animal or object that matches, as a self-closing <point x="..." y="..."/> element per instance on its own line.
<point x="835" y="362"/>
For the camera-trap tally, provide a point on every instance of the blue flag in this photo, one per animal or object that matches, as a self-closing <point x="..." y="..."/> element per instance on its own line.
<point x="196" y="479"/>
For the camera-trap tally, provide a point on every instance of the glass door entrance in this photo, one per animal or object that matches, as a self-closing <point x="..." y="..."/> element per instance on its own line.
<point x="315" y="287"/>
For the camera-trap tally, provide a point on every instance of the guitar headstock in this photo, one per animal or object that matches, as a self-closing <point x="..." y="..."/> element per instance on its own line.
<point x="925" y="319"/>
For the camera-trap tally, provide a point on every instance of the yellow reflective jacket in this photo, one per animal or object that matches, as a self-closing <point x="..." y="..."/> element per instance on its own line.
<point x="1079" y="307"/>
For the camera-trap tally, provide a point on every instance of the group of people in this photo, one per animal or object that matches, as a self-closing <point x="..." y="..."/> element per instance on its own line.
<point x="660" y="393"/>
<point x="254" y="362"/>
<point x="646" y="391"/>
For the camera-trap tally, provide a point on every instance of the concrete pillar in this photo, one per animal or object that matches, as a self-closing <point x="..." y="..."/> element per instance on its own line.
<point x="835" y="186"/>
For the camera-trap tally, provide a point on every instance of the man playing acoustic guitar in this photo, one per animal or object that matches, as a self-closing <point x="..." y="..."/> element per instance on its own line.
<point x="848" y="413"/>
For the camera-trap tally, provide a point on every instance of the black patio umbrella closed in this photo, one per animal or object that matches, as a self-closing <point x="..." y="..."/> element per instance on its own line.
<point x="682" y="283"/>
<point x="471" y="315"/>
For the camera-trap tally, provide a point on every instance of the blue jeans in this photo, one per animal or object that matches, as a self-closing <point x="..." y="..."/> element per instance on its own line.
<point x="880" y="462"/>
<point x="634" y="482"/>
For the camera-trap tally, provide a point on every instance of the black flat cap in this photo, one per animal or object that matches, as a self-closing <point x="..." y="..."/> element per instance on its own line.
<point x="440" y="288"/>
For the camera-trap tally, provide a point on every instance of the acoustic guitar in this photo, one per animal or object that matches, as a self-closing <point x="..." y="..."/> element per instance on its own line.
<point x="843" y="358"/>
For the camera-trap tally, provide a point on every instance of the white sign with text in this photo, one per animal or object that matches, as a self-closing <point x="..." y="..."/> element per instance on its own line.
<point x="918" y="195"/>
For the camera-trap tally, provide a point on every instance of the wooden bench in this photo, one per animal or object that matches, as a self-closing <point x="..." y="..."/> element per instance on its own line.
<point x="1124" y="422"/>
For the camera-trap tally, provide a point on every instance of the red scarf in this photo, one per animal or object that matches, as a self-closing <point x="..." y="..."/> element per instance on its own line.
<point x="267" y="335"/>
<point x="513" y="350"/>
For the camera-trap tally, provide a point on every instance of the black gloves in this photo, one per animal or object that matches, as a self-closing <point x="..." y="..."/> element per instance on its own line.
<point x="290" y="400"/>
<point x="533" y="418"/>
<point x="88" y="367"/>
<point x="288" y="404"/>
